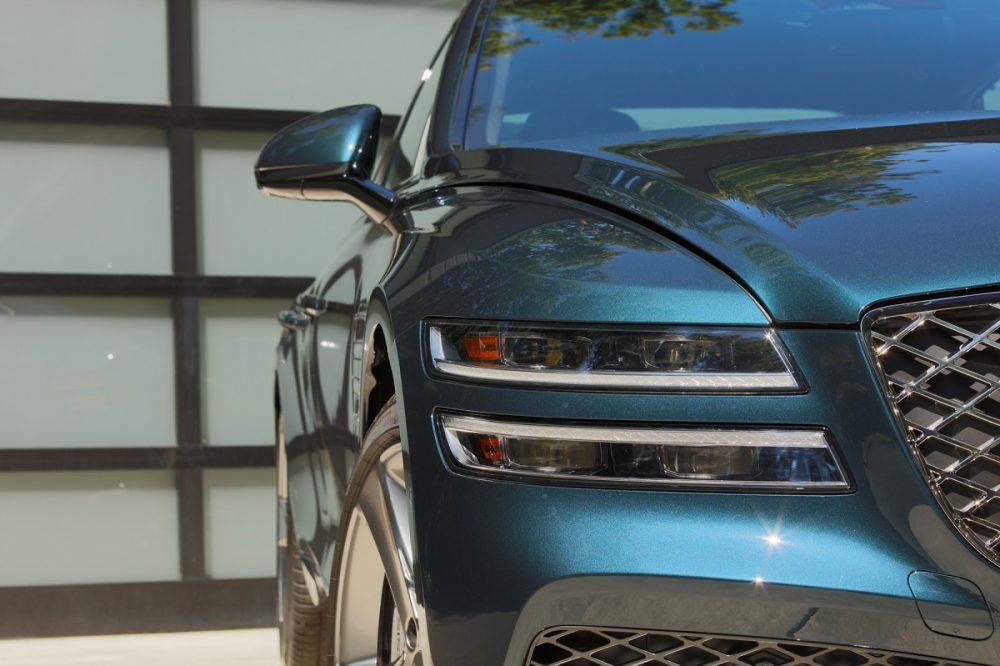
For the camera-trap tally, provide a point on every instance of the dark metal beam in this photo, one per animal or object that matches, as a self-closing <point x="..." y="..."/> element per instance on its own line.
<point x="79" y="284"/>
<point x="180" y="52"/>
<point x="64" y="610"/>
<point x="39" y="460"/>
<point x="184" y="259"/>
<point x="191" y="522"/>
<point x="184" y="225"/>
<point x="155" y="115"/>
<point x="49" y="111"/>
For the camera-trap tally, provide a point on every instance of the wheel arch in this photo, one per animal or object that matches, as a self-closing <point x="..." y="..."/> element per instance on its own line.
<point x="379" y="374"/>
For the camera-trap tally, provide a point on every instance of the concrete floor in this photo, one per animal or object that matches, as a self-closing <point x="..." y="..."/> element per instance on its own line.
<point x="245" y="647"/>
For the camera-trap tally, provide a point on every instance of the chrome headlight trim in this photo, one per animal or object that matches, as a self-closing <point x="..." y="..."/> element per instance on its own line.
<point x="623" y="380"/>
<point x="786" y="381"/>
<point x="453" y="426"/>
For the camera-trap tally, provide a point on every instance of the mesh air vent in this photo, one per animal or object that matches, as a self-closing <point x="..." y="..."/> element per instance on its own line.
<point x="942" y="371"/>
<point x="592" y="646"/>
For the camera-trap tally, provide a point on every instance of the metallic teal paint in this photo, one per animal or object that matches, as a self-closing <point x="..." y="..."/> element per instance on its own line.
<point x="340" y="143"/>
<point x="879" y="221"/>
<point x="815" y="236"/>
<point x="489" y="549"/>
<point x="496" y="254"/>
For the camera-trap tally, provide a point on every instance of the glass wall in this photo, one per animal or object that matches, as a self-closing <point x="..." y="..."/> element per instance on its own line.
<point x="89" y="372"/>
<point x="84" y="198"/>
<point x="238" y="504"/>
<point x="140" y="275"/>
<point x="73" y="527"/>
<point x="89" y="50"/>
<point x="238" y="341"/>
<point x="342" y="52"/>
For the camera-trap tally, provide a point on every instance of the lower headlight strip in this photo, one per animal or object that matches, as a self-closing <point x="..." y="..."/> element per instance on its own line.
<point x="749" y="459"/>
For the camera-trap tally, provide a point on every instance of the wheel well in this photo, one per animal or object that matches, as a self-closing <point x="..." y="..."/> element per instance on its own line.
<point x="379" y="376"/>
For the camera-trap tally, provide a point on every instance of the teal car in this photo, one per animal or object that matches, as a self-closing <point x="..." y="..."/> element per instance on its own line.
<point x="669" y="334"/>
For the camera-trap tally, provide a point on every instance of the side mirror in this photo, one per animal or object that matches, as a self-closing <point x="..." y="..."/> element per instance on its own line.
<point x="327" y="157"/>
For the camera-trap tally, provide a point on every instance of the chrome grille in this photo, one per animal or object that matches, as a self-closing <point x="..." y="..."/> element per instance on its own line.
<point x="941" y="368"/>
<point x="591" y="646"/>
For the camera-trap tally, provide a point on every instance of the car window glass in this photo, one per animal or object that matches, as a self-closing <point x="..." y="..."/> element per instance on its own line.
<point x="684" y="68"/>
<point x="405" y="152"/>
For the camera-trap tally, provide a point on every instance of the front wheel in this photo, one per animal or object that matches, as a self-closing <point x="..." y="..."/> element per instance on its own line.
<point x="372" y="615"/>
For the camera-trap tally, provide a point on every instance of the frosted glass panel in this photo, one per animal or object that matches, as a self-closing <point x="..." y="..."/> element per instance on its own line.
<point x="315" y="54"/>
<point x="239" y="339"/>
<point x="84" y="199"/>
<point x="88" y="527"/>
<point x="86" y="372"/>
<point x="245" y="232"/>
<point x="93" y="50"/>
<point x="239" y="523"/>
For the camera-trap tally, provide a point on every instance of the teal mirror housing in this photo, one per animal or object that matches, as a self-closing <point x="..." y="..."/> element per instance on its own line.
<point x="327" y="156"/>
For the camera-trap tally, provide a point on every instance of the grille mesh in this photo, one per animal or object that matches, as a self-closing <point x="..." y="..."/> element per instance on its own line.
<point x="942" y="371"/>
<point x="590" y="646"/>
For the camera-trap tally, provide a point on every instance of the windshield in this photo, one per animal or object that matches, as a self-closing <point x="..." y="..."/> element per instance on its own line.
<point x="556" y="69"/>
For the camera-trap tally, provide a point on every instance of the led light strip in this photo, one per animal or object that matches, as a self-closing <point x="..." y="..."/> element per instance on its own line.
<point x="783" y="439"/>
<point x="457" y="428"/>
<point x="622" y="380"/>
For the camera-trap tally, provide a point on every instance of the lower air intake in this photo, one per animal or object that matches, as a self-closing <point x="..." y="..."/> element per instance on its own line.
<point x="590" y="646"/>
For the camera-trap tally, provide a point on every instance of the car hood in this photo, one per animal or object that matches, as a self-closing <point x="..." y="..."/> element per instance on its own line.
<point x="818" y="226"/>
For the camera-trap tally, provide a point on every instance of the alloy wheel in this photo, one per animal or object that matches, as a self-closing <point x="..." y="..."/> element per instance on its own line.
<point x="377" y="616"/>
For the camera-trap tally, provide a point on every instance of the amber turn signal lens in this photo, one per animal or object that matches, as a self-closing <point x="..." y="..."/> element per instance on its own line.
<point x="482" y="347"/>
<point x="490" y="448"/>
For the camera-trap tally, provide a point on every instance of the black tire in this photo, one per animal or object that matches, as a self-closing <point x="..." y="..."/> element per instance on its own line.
<point x="303" y="620"/>
<point x="383" y="433"/>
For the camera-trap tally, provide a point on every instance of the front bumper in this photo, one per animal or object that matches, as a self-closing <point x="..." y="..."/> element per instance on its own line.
<point x="502" y="561"/>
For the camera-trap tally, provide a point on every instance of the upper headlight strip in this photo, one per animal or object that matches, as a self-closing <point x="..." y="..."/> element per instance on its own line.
<point x="669" y="358"/>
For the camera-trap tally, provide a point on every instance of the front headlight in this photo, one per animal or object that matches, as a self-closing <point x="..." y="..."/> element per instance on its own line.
<point x="749" y="459"/>
<point x="684" y="358"/>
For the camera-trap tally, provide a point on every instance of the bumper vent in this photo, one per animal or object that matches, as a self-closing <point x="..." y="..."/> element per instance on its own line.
<point x="941" y="369"/>
<point x="589" y="646"/>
